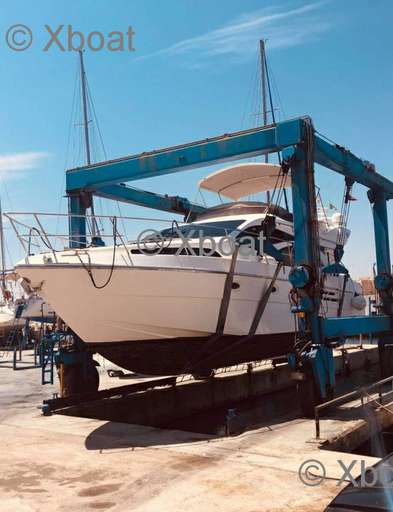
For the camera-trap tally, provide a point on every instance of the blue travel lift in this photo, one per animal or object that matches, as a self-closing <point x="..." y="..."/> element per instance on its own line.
<point x="301" y="147"/>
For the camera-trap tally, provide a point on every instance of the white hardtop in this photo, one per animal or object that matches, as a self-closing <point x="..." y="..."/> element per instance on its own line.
<point x="242" y="180"/>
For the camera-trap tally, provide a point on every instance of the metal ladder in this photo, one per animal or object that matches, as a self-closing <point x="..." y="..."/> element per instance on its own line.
<point x="48" y="347"/>
<point x="12" y="335"/>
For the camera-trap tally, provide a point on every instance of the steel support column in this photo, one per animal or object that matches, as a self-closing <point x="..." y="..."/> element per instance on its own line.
<point x="314" y="360"/>
<point x="383" y="280"/>
<point x="77" y="220"/>
<point x="305" y="275"/>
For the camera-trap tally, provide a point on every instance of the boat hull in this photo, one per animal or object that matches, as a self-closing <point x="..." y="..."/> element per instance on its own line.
<point x="159" y="303"/>
<point x="179" y="355"/>
<point x="156" y="318"/>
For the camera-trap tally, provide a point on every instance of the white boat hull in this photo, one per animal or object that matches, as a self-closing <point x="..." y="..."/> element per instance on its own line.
<point x="152" y="302"/>
<point x="158" y="311"/>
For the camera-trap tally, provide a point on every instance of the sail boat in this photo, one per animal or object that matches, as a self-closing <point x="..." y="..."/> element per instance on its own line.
<point x="7" y="306"/>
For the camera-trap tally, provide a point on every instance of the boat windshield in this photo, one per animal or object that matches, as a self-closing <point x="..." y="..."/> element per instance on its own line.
<point x="202" y="229"/>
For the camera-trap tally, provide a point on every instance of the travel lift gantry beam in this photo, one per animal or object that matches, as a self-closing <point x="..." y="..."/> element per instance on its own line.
<point x="302" y="147"/>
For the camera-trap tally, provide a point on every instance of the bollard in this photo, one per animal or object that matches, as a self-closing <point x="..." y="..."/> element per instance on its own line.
<point x="231" y="414"/>
<point x="35" y="352"/>
<point x="46" y="411"/>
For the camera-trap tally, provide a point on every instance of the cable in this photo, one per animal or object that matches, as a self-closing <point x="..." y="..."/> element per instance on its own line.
<point x="101" y="139"/>
<point x="251" y="94"/>
<point x="34" y="229"/>
<point x="274" y="83"/>
<point x="88" y="267"/>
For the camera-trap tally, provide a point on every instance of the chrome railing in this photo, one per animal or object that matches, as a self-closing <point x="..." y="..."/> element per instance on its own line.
<point x="363" y="394"/>
<point x="48" y="232"/>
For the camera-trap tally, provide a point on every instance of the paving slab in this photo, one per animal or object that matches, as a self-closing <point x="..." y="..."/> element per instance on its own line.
<point x="64" y="463"/>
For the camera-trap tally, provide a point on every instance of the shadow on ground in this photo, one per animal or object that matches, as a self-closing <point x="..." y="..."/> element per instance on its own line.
<point x="112" y="435"/>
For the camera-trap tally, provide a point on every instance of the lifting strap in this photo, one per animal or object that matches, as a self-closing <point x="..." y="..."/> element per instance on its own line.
<point x="342" y="296"/>
<point x="223" y="312"/>
<point x="264" y="300"/>
<point x="254" y="324"/>
<point x="226" y="296"/>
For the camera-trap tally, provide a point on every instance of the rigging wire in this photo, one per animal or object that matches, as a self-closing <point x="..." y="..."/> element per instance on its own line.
<point x="253" y="98"/>
<point x="277" y="92"/>
<point x="269" y="88"/>
<point x="67" y="153"/>
<point x="345" y="209"/>
<point x="97" y="124"/>
<point x="103" y="148"/>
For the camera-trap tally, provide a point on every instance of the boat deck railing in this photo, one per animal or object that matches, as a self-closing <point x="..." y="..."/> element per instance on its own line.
<point x="48" y="232"/>
<point x="42" y="232"/>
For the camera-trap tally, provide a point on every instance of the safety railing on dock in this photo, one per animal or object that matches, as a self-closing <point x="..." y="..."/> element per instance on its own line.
<point x="363" y="393"/>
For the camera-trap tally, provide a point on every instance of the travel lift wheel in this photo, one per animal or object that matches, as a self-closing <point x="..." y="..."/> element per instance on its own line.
<point x="78" y="378"/>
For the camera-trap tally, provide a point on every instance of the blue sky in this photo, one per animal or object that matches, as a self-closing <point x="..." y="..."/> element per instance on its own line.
<point x="193" y="75"/>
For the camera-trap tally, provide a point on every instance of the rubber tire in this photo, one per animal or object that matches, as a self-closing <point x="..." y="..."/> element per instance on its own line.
<point x="75" y="381"/>
<point x="93" y="379"/>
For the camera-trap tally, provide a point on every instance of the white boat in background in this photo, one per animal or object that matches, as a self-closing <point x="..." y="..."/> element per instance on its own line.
<point x="7" y="319"/>
<point x="19" y="304"/>
<point x="35" y="309"/>
<point x="14" y="312"/>
<point x="8" y="308"/>
<point x="154" y="313"/>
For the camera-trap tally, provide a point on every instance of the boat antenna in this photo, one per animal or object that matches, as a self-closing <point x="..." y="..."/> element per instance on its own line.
<point x="86" y="121"/>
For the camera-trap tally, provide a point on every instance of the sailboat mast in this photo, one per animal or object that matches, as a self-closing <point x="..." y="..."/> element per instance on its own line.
<point x="94" y="226"/>
<point x="2" y="251"/>
<point x="264" y="102"/>
<point x="263" y="81"/>
<point x="84" y="104"/>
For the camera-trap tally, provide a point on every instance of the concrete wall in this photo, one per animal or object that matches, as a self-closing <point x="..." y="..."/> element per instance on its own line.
<point x="160" y="405"/>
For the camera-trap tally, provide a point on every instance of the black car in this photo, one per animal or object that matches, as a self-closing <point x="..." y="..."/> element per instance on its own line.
<point x="373" y="492"/>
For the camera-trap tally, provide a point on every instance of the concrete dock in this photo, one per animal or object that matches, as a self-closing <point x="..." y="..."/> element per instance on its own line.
<point x="66" y="463"/>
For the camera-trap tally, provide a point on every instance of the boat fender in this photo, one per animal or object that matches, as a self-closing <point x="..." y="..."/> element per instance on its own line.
<point x="358" y="302"/>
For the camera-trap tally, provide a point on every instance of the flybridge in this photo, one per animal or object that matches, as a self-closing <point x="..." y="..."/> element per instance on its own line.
<point x="301" y="147"/>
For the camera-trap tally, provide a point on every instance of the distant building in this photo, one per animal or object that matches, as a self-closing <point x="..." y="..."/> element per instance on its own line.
<point x="367" y="285"/>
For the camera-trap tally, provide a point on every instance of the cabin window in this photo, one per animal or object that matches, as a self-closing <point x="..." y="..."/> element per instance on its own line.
<point x="194" y="230"/>
<point x="276" y="237"/>
<point x="174" y="251"/>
